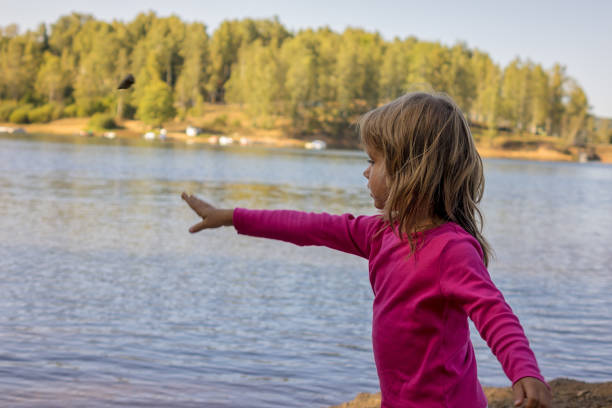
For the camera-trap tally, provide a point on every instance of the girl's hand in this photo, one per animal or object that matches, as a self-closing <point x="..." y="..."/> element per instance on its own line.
<point x="534" y="391"/>
<point x="211" y="217"/>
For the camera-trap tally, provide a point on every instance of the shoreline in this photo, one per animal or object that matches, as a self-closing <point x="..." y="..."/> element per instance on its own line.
<point x="132" y="129"/>
<point x="567" y="393"/>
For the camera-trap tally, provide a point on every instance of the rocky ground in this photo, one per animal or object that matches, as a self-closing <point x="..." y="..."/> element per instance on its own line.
<point x="566" y="394"/>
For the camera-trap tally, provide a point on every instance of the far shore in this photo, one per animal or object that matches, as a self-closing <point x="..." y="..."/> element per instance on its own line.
<point x="567" y="393"/>
<point x="543" y="150"/>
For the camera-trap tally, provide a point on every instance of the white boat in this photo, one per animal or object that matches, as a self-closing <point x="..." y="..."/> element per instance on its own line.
<point x="149" y="136"/>
<point x="225" y="140"/>
<point x="11" y="130"/>
<point x="316" y="145"/>
<point x="192" y="131"/>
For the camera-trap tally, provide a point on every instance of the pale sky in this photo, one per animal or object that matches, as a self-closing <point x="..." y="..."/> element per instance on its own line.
<point x="577" y="34"/>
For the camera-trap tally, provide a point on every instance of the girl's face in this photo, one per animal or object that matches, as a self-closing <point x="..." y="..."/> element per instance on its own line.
<point x="376" y="173"/>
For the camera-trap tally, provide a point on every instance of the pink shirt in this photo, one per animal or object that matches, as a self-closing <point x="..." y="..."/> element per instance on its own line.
<point x="420" y="334"/>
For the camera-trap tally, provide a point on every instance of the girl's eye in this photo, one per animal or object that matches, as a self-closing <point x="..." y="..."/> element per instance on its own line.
<point x="370" y="161"/>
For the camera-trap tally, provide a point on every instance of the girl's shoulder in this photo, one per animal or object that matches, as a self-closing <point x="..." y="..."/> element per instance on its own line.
<point x="451" y="239"/>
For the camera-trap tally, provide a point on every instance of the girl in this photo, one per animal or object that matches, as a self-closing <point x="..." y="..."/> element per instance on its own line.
<point x="427" y="258"/>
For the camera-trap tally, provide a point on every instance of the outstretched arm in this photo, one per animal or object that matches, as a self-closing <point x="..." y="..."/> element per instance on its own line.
<point x="341" y="232"/>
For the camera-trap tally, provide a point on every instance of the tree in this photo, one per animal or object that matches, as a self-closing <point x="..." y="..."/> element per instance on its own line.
<point x="462" y="81"/>
<point x="156" y="106"/>
<point x="300" y="58"/>
<point x="226" y="42"/>
<point x="357" y="70"/>
<point x="603" y="129"/>
<point x="430" y="67"/>
<point x="20" y="58"/>
<point x="516" y="95"/>
<point x="258" y="80"/>
<point x="486" y="106"/>
<point x="96" y="79"/>
<point x="65" y="30"/>
<point x="540" y="104"/>
<point x="52" y="80"/>
<point x="576" y="112"/>
<point x="557" y="80"/>
<point x="190" y="86"/>
<point x="395" y="68"/>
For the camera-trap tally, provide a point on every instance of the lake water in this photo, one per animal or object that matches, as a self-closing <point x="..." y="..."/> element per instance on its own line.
<point x="106" y="299"/>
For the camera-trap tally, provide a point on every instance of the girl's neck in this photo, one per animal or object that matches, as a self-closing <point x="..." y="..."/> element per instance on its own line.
<point x="426" y="224"/>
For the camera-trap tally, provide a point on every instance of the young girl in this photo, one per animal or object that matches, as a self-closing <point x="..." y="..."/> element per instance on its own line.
<point x="427" y="258"/>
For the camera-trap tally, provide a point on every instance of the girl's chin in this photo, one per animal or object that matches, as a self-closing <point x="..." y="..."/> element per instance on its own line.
<point x="377" y="203"/>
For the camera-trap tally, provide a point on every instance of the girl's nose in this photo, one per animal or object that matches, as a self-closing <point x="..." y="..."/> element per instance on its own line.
<point x="366" y="173"/>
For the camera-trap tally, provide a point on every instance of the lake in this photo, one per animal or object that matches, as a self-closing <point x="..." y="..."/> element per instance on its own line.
<point x="106" y="299"/>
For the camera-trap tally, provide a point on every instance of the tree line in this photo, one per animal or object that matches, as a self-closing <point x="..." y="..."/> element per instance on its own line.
<point x="319" y="79"/>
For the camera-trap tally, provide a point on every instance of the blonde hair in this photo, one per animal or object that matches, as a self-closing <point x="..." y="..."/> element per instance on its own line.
<point x="433" y="168"/>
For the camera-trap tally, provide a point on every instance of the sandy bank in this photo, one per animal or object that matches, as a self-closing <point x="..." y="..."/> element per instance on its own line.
<point x="274" y="137"/>
<point x="566" y="394"/>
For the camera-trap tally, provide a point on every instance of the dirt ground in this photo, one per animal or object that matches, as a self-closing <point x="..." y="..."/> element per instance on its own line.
<point x="566" y="394"/>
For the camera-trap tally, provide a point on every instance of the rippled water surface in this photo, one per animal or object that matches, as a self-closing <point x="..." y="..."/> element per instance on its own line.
<point x="106" y="300"/>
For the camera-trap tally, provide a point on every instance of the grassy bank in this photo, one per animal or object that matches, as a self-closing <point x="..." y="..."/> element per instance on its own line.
<point x="232" y="121"/>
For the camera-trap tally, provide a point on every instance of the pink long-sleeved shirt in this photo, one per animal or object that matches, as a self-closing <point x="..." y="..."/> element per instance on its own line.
<point x="420" y="334"/>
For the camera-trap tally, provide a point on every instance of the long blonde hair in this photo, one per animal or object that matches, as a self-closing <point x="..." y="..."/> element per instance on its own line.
<point x="433" y="168"/>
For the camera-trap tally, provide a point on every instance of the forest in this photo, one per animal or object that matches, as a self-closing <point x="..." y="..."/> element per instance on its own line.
<point x="318" y="80"/>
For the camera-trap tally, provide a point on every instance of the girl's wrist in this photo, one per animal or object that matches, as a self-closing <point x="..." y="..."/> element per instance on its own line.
<point x="227" y="217"/>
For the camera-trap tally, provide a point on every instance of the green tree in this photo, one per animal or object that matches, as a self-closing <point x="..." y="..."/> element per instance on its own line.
<point x="300" y="57"/>
<point x="258" y="80"/>
<point x="190" y="89"/>
<point x="157" y="104"/>
<point x="395" y="68"/>
<point x="96" y="80"/>
<point x="516" y="95"/>
<point x="540" y="104"/>
<point x="462" y="81"/>
<point x="226" y="43"/>
<point x="430" y="67"/>
<point x="576" y="112"/>
<point x="52" y="80"/>
<point x="157" y="54"/>
<point x="603" y="130"/>
<point x="20" y="58"/>
<point x="65" y="30"/>
<point x="556" y="85"/>
<point x="357" y="70"/>
<point x="486" y="106"/>
<point x="224" y="46"/>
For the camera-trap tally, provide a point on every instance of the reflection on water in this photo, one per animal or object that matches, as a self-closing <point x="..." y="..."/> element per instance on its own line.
<point x="108" y="301"/>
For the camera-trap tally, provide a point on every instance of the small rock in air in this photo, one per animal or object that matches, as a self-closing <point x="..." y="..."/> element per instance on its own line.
<point x="127" y="82"/>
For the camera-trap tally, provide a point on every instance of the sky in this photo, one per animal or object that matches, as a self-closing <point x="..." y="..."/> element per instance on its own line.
<point x="577" y="34"/>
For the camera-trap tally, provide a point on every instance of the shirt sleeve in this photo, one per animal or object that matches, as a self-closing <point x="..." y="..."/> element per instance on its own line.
<point x="341" y="232"/>
<point x="465" y="280"/>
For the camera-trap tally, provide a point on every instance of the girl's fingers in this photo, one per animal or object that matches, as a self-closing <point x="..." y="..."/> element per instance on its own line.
<point x="190" y="199"/>
<point x="195" y="203"/>
<point x="519" y="394"/>
<point x="198" y="227"/>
